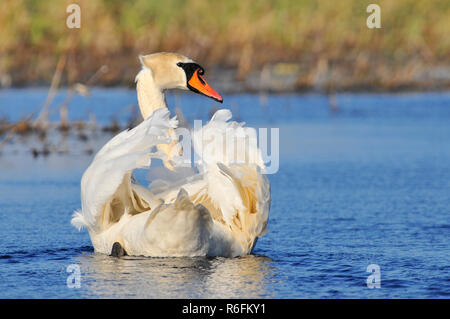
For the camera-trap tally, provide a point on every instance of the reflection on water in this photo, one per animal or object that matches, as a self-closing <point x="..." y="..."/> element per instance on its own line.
<point x="142" y="277"/>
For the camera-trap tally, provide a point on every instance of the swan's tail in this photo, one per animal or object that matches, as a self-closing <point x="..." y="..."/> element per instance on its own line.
<point x="78" y="220"/>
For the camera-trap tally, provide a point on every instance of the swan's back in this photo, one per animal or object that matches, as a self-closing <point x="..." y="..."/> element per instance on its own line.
<point x="219" y="211"/>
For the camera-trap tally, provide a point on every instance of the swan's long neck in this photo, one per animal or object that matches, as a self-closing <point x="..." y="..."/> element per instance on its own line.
<point x="150" y="96"/>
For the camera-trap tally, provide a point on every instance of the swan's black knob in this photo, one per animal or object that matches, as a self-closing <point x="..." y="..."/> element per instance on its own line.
<point x="117" y="250"/>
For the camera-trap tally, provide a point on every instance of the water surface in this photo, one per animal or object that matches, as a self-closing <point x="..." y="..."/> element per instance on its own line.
<point x="369" y="184"/>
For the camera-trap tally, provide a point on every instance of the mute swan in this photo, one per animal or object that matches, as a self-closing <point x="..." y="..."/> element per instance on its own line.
<point x="221" y="210"/>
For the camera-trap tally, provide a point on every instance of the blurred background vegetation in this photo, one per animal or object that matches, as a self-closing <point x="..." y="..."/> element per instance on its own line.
<point x="279" y="44"/>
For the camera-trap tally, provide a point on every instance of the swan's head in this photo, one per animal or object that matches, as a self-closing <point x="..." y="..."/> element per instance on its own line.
<point x="175" y="71"/>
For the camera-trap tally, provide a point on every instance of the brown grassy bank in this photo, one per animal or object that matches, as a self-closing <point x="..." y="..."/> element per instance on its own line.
<point x="278" y="45"/>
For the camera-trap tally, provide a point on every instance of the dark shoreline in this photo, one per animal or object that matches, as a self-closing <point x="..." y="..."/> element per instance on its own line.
<point x="352" y="90"/>
<point x="270" y="82"/>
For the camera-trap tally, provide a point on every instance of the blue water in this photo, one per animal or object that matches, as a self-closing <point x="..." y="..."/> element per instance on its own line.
<point x="369" y="184"/>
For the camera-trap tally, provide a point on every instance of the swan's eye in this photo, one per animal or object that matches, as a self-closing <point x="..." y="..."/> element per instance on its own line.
<point x="201" y="71"/>
<point x="180" y="64"/>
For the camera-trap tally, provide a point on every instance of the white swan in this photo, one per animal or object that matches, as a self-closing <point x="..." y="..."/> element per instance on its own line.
<point x="220" y="210"/>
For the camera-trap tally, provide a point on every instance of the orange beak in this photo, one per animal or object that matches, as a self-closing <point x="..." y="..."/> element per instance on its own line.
<point x="198" y="84"/>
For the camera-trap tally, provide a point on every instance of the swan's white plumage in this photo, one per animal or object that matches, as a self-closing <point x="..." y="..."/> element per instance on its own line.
<point x="219" y="210"/>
